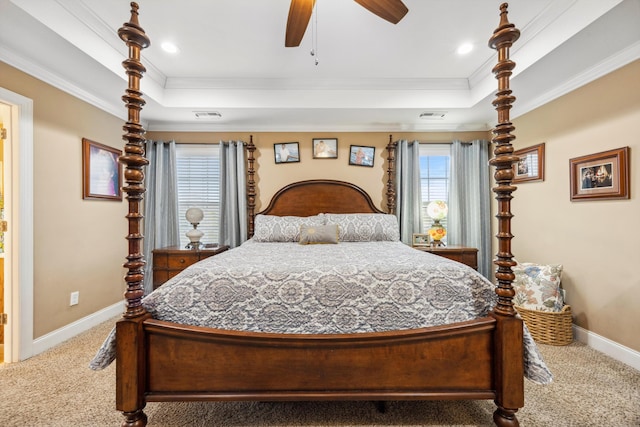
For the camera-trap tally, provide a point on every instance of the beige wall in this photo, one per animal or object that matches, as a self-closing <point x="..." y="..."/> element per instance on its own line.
<point x="271" y="177"/>
<point x="79" y="245"/>
<point x="596" y="241"/>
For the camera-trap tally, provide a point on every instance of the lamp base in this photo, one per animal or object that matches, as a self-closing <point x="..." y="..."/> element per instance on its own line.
<point x="193" y="245"/>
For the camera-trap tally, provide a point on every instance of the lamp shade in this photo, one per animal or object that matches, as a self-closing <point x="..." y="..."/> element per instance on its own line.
<point x="437" y="210"/>
<point x="194" y="215"/>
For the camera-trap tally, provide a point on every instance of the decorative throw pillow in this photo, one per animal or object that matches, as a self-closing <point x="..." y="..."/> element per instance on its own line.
<point x="271" y="228"/>
<point x="365" y="227"/>
<point x="317" y="234"/>
<point x="537" y="286"/>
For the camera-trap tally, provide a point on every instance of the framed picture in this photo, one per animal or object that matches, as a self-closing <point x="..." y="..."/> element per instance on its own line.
<point x="361" y="156"/>
<point x="601" y="176"/>
<point x="286" y="152"/>
<point x="101" y="171"/>
<point x="420" y="239"/>
<point x="530" y="167"/>
<point x="325" y="148"/>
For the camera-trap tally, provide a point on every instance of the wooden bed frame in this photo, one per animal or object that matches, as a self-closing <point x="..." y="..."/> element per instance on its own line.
<point x="163" y="361"/>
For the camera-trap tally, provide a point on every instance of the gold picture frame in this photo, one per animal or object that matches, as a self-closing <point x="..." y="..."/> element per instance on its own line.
<point x="421" y="239"/>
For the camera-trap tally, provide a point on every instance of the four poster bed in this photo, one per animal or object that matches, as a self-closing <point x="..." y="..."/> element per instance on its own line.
<point x="375" y="336"/>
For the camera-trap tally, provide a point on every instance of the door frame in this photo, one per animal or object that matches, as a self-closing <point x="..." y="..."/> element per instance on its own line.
<point x="18" y="290"/>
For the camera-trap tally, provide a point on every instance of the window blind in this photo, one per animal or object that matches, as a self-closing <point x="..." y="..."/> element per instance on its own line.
<point x="198" y="170"/>
<point x="434" y="177"/>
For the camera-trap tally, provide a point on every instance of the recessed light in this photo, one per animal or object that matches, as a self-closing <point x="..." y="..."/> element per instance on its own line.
<point x="464" y="48"/>
<point x="169" y="47"/>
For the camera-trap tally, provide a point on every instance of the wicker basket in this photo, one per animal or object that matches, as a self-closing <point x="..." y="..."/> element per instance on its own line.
<point x="549" y="327"/>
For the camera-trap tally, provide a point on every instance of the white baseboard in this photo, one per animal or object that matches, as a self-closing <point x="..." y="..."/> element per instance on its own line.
<point x="610" y="348"/>
<point x="60" y="335"/>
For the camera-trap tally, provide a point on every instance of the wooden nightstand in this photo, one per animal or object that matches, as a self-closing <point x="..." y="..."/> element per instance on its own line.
<point x="461" y="254"/>
<point x="168" y="262"/>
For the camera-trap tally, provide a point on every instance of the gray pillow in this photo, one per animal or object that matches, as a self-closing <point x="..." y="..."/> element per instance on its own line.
<point x="365" y="227"/>
<point x="318" y="234"/>
<point x="271" y="228"/>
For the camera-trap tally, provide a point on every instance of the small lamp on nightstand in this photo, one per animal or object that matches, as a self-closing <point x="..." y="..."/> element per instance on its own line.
<point x="194" y="216"/>
<point x="437" y="211"/>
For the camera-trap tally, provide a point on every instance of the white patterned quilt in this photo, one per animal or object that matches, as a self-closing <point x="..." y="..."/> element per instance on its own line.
<point x="324" y="289"/>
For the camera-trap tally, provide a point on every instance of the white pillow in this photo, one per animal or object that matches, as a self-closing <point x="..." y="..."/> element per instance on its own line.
<point x="271" y="228"/>
<point x="365" y="227"/>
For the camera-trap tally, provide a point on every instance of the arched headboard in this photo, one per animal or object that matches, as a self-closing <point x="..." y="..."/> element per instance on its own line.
<point x="311" y="197"/>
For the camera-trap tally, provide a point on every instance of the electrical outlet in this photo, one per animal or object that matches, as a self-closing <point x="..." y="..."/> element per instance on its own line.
<point x="74" y="298"/>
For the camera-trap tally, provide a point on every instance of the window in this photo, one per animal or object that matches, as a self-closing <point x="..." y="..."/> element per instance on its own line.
<point x="198" y="170"/>
<point x="434" y="177"/>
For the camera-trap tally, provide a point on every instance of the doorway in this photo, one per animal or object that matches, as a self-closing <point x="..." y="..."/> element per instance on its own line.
<point x="16" y="114"/>
<point x="5" y="132"/>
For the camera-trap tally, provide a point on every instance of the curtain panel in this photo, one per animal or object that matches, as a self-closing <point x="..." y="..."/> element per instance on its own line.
<point x="233" y="194"/>
<point x="161" y="221"/>
<point x="408" y="194"/>
<point x="469" y="221"/>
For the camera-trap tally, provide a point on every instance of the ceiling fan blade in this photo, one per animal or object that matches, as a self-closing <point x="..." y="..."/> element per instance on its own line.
<point x="390" y="10"/>
<point x="299" y="15"/>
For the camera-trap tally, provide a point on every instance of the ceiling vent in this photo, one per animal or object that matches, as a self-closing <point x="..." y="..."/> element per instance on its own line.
<point x="433" y="115"/>
<point x="207" y="114"/>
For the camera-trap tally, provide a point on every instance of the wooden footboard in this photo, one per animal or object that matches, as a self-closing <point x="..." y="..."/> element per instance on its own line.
<point x="179" y="362"/>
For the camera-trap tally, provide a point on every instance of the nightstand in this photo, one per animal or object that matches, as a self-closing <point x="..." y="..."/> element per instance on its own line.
<point x="168" y="262"/>
<point x="468" y="256"/>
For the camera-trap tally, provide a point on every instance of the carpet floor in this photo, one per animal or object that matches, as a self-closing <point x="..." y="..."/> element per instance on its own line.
<point x="56" y="388"/>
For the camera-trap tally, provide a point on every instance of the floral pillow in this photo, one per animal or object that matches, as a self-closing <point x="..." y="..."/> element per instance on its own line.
<point x="272" y="228"/>
<point x="537" y="286"/>
<point x="361" y="227"/>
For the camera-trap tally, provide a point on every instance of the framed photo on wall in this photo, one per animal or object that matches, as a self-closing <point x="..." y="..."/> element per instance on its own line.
<point x="360" y="155"/>
<point x="286" y="152"/>
<point x="530" y="167"/>
<point x="325" y="148"/>
<point x="602" y="176"/>
<point x="101" y="171"/>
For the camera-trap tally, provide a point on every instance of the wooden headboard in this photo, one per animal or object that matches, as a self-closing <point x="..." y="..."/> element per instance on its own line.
<point x="306" y="198"/>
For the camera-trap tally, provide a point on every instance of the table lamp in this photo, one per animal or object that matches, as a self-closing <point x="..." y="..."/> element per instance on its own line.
<point x="437" y="211"/>
<point x="194" y="216"/>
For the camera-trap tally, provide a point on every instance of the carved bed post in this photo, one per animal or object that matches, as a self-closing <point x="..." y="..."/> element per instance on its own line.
<point x="130" y="339"/>
<point x="251" y="185"/>
<point x="503" y="37"/>
<point x="509" y="364"/>
<point x="136" y="39"/>
<point x="391" y="175"/>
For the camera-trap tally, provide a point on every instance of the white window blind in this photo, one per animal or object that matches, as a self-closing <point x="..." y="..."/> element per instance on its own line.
<point x="198" y="170"/>
<point x="434" y="177"/>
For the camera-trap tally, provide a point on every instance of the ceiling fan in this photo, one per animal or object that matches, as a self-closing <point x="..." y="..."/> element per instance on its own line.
<point x="300" y="13"/>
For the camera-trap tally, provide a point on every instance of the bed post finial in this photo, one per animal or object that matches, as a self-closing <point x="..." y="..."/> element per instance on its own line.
<point x="391" y="174"/>
<point x="133" y="159"/>
<point x="501" y="40"/>
<point x="251" y="185"/>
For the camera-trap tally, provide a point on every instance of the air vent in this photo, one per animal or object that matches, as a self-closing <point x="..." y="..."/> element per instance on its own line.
<point x="433" y="115"/>
<point x="207" y="114"/>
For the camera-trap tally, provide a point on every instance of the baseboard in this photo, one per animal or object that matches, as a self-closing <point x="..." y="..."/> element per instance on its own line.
<point x="610" y="348"/>
<point x="60" y="335"/>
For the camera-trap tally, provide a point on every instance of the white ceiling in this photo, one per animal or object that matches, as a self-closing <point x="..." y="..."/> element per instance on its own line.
<point x="371" y="75"/>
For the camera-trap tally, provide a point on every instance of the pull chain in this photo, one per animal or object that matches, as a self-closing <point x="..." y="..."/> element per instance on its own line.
<point x="314" y="33"/>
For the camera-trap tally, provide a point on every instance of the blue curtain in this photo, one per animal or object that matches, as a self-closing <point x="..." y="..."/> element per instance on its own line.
<point x="161" y="227"/>
<point x="408" y="194"/>
<point x="469" y="220"/>
<point x="233" y="194"/>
